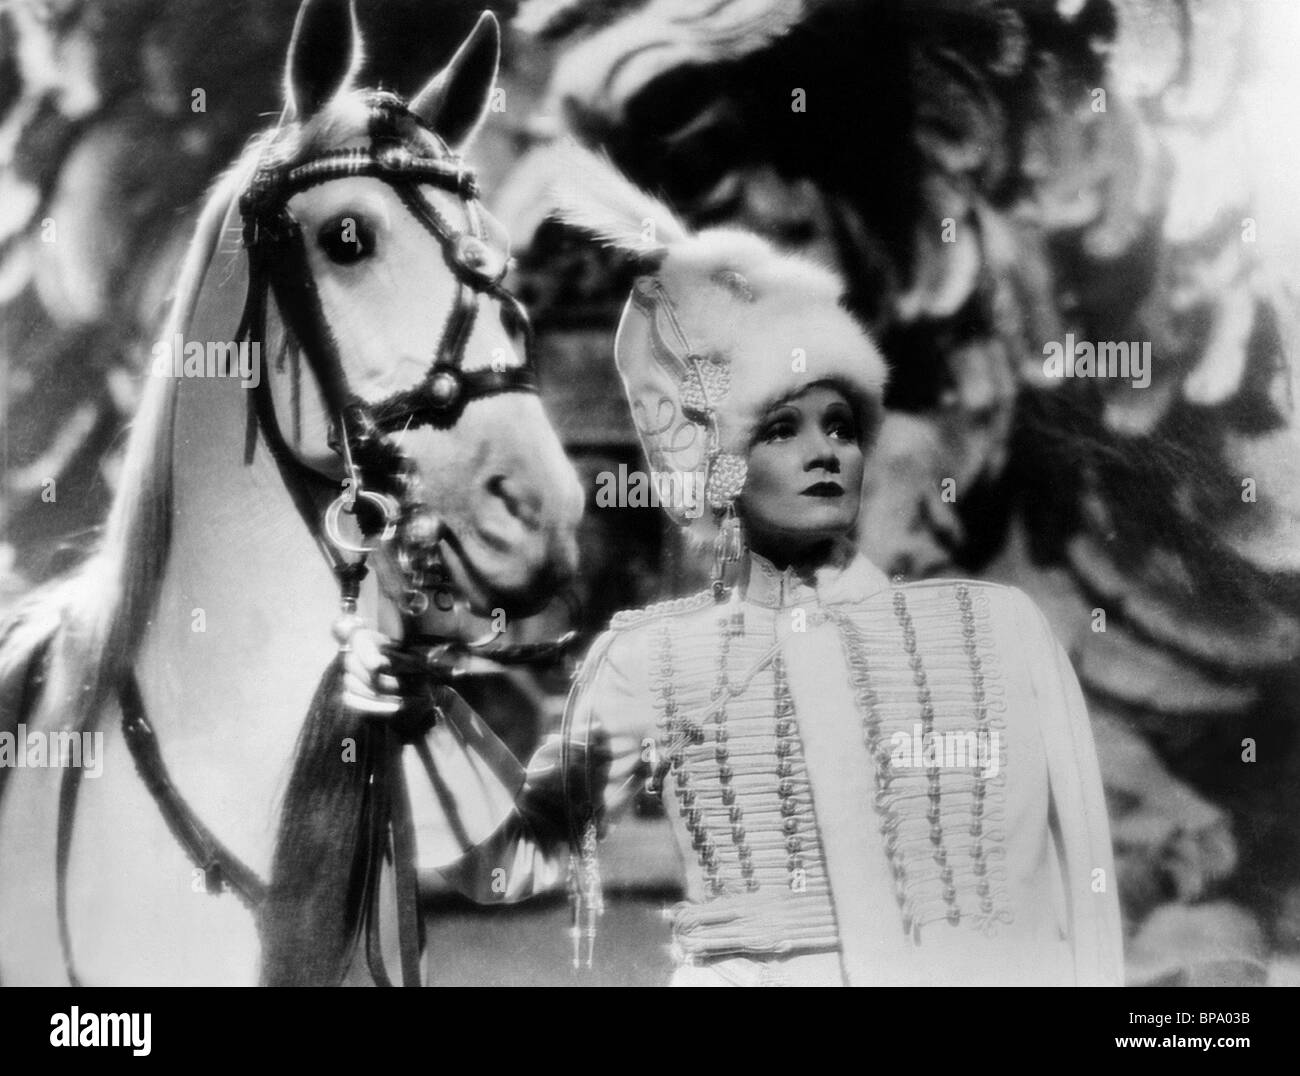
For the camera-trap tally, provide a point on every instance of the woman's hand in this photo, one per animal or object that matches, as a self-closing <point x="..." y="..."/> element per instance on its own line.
<point x="368" y="686"/>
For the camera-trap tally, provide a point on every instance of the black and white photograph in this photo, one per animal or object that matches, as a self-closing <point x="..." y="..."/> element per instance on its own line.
<point x="585" y="493"/>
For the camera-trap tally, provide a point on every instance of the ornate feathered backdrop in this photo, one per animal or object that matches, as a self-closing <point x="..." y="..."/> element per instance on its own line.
<point x="990" y="176"/>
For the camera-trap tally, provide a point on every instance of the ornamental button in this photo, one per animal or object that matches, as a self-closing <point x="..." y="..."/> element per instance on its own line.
<point x="479" y="258"/>
<point x="396" y="158"/>
<point x="471" y="252"/>
<point x="444" y="389"/>
<point x="422" y="529"/>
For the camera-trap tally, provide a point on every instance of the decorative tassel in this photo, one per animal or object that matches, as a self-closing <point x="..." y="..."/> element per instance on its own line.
<point x="323" y="862"/>
<point x="587" y="896"/>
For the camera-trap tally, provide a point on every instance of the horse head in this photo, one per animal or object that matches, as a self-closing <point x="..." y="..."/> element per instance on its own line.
<point x="363" y="221"/>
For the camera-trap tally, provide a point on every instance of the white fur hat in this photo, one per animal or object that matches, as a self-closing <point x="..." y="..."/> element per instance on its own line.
<point x="722" y="327"/>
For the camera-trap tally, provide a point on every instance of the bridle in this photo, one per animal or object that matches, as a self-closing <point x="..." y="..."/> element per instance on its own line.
<point x="380" y="477"/>
<point x="382" y="488"/>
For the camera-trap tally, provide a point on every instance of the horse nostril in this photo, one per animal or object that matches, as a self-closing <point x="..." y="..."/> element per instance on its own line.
<point x="524" y="505"/>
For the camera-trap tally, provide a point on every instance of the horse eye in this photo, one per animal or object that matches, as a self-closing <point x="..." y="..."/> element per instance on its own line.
<point x="347" y="239"/>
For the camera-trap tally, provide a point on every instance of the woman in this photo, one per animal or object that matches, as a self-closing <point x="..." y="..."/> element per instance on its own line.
<point x="872" y="783"/>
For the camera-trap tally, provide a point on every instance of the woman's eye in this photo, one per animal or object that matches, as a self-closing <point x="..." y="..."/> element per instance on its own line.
<point x="844" y="431"/>
<point x="778" y="431"/>
<point x="347" y="239"/>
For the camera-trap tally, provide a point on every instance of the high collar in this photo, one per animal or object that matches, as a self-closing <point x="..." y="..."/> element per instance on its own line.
<point x="845" y="576"/>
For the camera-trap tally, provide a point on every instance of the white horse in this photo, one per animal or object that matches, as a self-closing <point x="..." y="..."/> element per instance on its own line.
<point x="210" y="586"/>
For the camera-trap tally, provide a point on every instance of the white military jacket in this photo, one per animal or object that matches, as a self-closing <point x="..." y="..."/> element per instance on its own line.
<point x="871" y="784"/>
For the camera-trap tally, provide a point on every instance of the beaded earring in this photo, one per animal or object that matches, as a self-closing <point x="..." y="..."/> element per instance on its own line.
<point x="728" y="547"/>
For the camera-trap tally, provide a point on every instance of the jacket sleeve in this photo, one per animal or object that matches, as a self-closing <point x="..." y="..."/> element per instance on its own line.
<point x="500" y="832"/>
<point x="1079" y="807"/>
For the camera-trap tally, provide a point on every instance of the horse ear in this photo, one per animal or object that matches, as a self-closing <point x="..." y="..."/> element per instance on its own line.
<point x="455" y="101"/>
<point x="324" y="55"/>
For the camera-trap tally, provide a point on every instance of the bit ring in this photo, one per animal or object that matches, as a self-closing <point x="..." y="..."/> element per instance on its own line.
<point x="385" y="504"/>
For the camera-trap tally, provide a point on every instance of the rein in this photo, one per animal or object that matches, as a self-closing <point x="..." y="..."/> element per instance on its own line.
<point x="382" y="491"/>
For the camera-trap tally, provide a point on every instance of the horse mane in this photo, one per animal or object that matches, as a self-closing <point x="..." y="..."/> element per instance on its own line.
<point x="105" y="605"/>
<point x="107" y="602"/>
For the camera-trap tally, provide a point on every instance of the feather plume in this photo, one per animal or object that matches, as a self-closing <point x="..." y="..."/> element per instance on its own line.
<point x="587" y="192"/>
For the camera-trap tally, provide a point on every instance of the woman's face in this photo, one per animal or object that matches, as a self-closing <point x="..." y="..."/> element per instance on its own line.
<point x="805" y="475"/>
